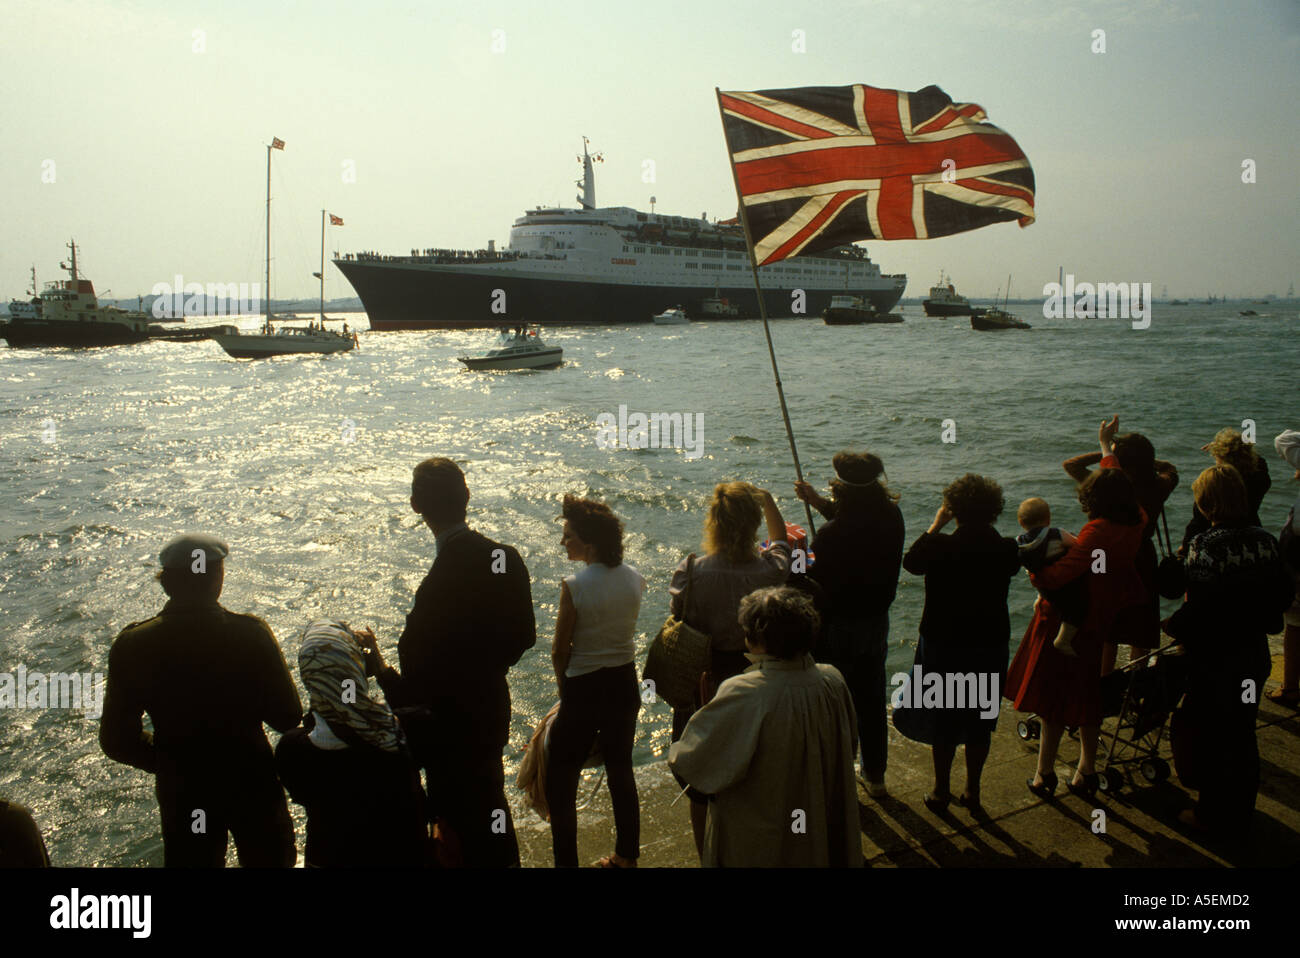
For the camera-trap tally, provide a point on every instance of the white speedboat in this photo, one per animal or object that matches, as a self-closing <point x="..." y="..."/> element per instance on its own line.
<point x="520" y="349"/>
<point x="671" y="317"/>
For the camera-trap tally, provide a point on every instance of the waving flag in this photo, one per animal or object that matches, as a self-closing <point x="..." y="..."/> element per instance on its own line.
<point x="277" y="143"/>
<point x="818" y="167"/>
<point x="336" y="220"/>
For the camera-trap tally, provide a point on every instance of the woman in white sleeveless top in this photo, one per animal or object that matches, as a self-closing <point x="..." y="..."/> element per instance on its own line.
<point x="594" y="656"/>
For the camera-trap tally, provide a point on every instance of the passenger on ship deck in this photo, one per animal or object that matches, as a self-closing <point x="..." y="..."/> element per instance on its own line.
<point x="208" y="679"/>
<point x="471" y="621"/>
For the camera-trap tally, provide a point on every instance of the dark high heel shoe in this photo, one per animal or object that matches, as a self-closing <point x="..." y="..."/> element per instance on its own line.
<point x="1087" y="789"/>
<point x="1046" y="789"/>
<point x="937" y="803"/>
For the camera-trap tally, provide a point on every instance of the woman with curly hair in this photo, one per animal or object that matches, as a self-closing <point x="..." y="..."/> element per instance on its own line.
<point x="594" y="655"/>
<point x="1066" y="690"/>
<point x="859" y="552"/>
<point x="1229" y="449"/>
<point x="731" y="568"/>
<point x="965" y="632"/>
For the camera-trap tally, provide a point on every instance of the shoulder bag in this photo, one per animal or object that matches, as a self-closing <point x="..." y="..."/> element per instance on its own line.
<point x="1171" y="577"/>
<point x="679" y="655"/>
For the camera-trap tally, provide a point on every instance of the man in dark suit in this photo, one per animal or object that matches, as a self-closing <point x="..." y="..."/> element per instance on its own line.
<point x="471" y="621"/>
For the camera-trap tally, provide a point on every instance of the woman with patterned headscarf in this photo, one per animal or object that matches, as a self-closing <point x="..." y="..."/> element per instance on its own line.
<point x="350" y="767"/>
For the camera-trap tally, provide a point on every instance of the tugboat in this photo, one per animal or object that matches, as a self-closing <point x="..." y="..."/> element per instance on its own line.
<point x="67" y="313"/>
<point x="945" y="301"/>
<point x="995" y="318"/>
<point x="854" y="311"/>
<point x="671" y="317"/>
<point x="523" y="349"/>
<point x="716" y="307"/>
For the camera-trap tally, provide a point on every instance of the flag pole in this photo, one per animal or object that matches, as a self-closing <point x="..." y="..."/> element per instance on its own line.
<point x="762" y="311"/>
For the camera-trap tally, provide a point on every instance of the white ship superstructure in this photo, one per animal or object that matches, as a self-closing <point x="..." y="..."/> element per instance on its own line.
<point x="606" y="265"/>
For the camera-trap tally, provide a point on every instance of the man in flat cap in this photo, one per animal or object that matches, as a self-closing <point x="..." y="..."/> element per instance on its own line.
<point x="208" y="678"/>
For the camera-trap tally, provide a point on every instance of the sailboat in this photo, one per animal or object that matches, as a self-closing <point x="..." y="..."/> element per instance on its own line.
<point x="285" y="340"/>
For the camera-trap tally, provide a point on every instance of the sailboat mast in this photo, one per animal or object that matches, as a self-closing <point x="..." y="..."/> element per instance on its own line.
<point x="321" y="274"/>
<point x="1006" y="299"/>
<point x="268" y="237"/>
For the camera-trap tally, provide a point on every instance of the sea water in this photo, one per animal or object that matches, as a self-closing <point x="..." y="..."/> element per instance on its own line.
<point x="303" y="465"/>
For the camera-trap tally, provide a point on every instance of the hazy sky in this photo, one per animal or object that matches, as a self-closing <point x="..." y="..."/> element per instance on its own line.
<point x="158" y="146"/>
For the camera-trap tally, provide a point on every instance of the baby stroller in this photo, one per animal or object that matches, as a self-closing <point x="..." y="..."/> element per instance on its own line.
<point x="1140" y="697"/>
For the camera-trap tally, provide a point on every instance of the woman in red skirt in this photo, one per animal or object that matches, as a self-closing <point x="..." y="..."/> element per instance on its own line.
<point x="1065" y="690"/>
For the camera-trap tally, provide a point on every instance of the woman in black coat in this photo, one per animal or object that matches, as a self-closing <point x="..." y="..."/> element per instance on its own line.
<point x="962" y="652"/>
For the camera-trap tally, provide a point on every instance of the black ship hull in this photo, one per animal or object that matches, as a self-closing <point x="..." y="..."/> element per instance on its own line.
<point x="397" y="297"/>
<point x="837" y="316"/>
<point x="944" y="310"/>
<point x="26" y="333"/>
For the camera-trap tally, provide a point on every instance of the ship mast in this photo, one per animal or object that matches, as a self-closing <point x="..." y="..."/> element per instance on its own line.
<point x="268" y="238"/>
<point x="321" y="274"/>
<point x="72" y="270"/>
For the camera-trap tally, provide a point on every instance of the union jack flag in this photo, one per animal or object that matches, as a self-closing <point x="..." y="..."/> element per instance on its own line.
<point x="336" y="220"/>
<point x="277" y="143"/>
<point x="818" y="167"/>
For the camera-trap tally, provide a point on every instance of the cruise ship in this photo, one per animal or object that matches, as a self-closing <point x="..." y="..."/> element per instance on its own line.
<point x="605" y="266"/>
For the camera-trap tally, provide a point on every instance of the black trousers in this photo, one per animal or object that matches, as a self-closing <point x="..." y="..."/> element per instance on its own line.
<point x="468" y="790"/>
<point x="198" y="817"/>
<point x="599" y="706"/>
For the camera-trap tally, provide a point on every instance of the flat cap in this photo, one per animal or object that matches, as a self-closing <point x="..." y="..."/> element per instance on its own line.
<point x="179" y="553"/>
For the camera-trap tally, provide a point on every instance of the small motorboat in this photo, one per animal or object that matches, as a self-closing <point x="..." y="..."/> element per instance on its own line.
<point x="854" y="311"/>
<point x="994" y="318"/>
<point x="1249" y="312"/>
<point x="671" y="317"/>
<point x="521" y="348"/>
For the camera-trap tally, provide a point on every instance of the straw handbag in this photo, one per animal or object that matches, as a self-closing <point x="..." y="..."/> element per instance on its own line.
<point x="679" y="655"/>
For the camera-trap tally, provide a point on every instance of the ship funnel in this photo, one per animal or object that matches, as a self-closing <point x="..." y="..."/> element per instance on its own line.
<point x="588" y="197"/>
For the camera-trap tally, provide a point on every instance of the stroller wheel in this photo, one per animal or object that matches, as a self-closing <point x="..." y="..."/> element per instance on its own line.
<point x="1110" y="781"/>
<point x="1150" y="770"/>
<point x="1022" y="729"/>
<point x="1162" y="769"/>
<point x="1035" y="729"/>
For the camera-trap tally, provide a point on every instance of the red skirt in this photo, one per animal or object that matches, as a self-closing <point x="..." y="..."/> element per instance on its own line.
<point x="1056" y="687"/>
